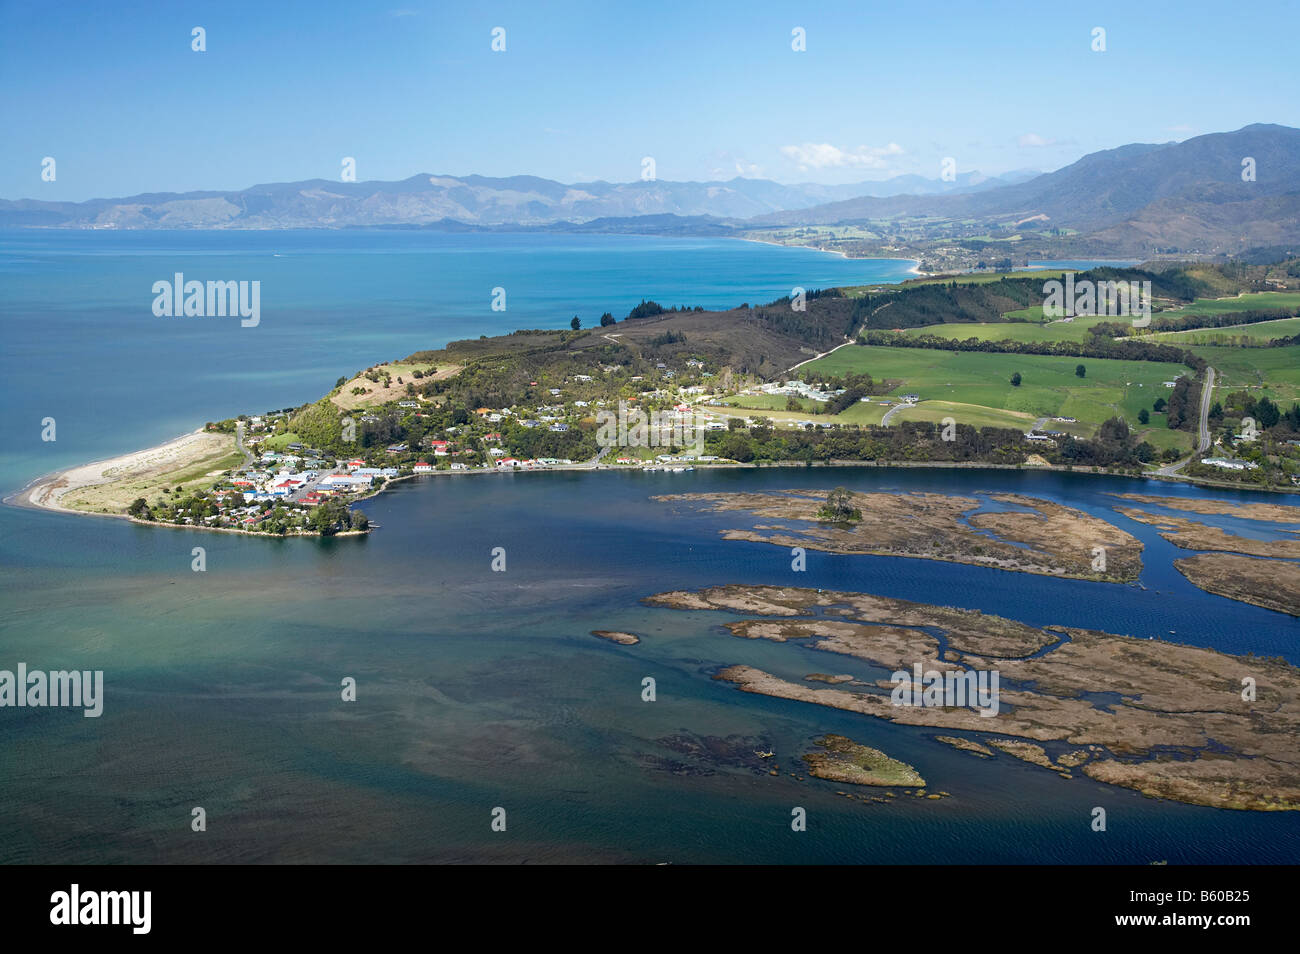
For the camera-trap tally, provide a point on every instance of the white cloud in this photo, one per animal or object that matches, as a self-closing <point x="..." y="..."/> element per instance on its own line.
<point x="1034" y="141"/>
<point x="814" y="155"/>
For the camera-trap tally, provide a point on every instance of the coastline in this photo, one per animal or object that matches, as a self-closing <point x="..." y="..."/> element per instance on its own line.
<point x="916" y="262"/>
<point x="46" y="492"/>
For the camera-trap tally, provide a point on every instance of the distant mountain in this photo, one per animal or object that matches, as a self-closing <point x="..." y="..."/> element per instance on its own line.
<point x="1139" y="198"/>
<point x="447" y="201"/>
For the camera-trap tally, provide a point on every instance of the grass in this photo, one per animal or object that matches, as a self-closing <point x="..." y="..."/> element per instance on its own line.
<point x="115" y="496"/>
<point x="1161" y="437"/>
<point x="861" y="414"/>
<point x="1049" y="387"/>
<point x="779" y="417"/>
<point x="1260" y="331"/>
<point x="769" y="402"/>
<point x="972" y="414"/>
<point x="1021" y="330"/>
<point x="988" y="277"/>
<point x="1248" y="302"/>
<point x="377" y="394"/>
<point x="1263" y="371"/>
<point x="280" y="442"/>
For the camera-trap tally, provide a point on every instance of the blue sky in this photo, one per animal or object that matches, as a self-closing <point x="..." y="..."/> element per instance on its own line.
<point x="583" y="91"/>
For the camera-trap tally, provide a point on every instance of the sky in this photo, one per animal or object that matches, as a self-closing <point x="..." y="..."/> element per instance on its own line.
<point x="116" y="95"/>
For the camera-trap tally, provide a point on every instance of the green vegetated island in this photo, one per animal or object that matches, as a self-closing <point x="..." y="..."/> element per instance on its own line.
<point x="1177" y="722"/>
<point x="960" y="370"/>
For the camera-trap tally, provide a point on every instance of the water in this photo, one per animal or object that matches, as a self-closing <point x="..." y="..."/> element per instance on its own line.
<point x="84" y="347"/>
<point x="476" y="689"/>
<point x="479" y="690"/>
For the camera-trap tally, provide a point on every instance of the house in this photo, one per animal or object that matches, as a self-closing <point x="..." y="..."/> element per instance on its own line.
<point x="347" y="482"/>
<point x="510" y="462"/>
<point x="408" y="403"/>
<point x="1229" y="463"/>
<point x="396" y="448"/>
<point x="459" y="466"/>
<point x="626" y="460"/>
<point x="494" y="436"/>
<point x="353" y="464"/>
<point x="285" y="487"/>
<point x="313" y="498"/>
<point x="560" y="428"/>
<point x="496" y="452"/>
<point x="423" y="467"/>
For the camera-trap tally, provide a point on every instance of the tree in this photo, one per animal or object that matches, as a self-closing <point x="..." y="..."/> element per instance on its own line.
<point x="1159" y="405"/>
<point x="1080" y="371"/>
<point x="606" y="319"/>
<point x="1015" y="380"/>
<point x="576" y="323"/>
<point x="1113" y="431"/>
<point x="1144" y="416"/>
<point x="839" y="506"/>
<point x="1267" y="413"/>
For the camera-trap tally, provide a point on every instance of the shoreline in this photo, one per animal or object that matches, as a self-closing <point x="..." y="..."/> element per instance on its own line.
<point x="916" y="262"/>
<point x="45" y="492"/>
<point x="51" y="487"/>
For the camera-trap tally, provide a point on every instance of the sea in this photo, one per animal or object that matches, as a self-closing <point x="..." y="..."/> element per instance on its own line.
<point x="481" y="695"/>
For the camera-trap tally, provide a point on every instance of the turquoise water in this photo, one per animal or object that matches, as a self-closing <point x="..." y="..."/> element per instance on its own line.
<point x="478" y="689"/>
<point x="83" y="346"/>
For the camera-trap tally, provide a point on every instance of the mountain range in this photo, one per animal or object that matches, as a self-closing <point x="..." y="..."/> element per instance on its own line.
<point x="1192" y="196"/>
<point x="465" y="200"/>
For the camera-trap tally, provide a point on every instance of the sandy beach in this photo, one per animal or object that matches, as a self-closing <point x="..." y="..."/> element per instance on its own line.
<point x="48" y="492"/>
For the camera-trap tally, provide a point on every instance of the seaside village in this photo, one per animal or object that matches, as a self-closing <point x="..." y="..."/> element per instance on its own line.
<point x="288" y="478"/>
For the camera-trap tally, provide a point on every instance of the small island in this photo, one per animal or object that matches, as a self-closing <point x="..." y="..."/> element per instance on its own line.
<point x="854" y="764"/>
<point x="623" y="639"/>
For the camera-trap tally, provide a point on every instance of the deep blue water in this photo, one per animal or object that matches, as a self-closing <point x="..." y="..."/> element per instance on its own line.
<point x="479" y="689"/>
